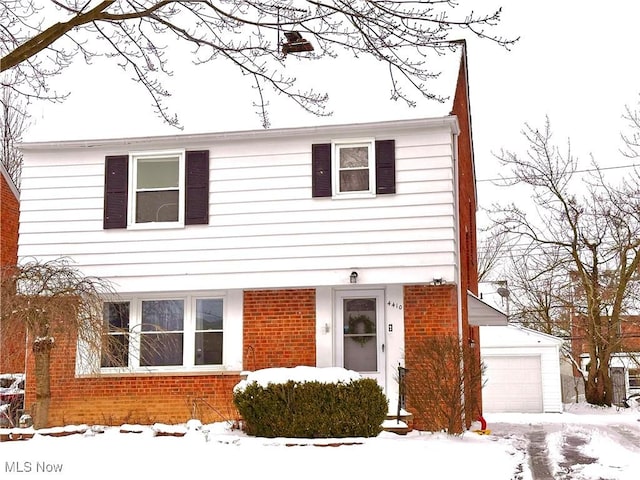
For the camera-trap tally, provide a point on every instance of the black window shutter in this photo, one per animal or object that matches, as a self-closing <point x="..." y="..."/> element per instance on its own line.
<point x="385" y="166"/>
<point x="116" y="180"/>
<point x="321" y="169"/>
<point x="197" y="188"/>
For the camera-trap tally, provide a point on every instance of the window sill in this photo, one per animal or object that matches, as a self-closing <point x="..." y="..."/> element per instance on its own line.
<point x="156" y="226"/>
<point x="351" y="195"/>
<point x="147" y="372"/>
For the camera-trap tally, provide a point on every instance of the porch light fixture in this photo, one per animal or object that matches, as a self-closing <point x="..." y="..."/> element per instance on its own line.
<point x="353" y="278"/>
<point x="437" y="281"/>
<point x="295" y="44"/>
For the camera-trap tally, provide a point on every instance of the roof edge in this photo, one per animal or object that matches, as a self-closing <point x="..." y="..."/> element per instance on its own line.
<point x="9" y="180"/>
<point x="448" y="121"/>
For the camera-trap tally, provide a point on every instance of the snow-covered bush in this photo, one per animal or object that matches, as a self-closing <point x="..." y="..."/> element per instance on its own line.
<point x="311" y="406"/>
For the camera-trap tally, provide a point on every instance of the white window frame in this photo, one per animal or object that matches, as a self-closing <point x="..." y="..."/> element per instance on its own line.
<point x="231" y="347"/>
<point x="133" y="175"/>
<point x="336" y="146"/>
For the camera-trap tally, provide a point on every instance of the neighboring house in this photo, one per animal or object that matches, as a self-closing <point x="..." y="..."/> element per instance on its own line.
<point x="11" y="341"/>
<point x="9" y="217"/>
<point x="625" y="360"/>
<point x="336" y="245"/>
<point x="522" y="370"/>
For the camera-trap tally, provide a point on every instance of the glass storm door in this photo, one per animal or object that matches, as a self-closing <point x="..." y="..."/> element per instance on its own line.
<point x="360" y="333"/>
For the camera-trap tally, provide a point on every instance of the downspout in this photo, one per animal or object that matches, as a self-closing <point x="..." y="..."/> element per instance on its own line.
<point x="456" y="188"/>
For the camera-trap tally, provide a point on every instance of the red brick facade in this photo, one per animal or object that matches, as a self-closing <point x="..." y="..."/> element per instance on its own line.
<point x="429" y="311"/>
<point x="9" y="216"/>
<point x="433" y="310"/>
<point x="467" y="221"/>
<point x="279" y="328"/>
<point x="627" y="338"/>
<point x="11" y="339"/>
<point x="279" y="331"/>
<point x="140" y="398"/>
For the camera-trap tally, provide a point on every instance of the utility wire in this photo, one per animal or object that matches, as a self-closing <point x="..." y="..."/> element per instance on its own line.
<point x="586" y="170"/>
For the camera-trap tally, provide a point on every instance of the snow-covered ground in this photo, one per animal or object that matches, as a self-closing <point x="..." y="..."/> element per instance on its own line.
<point x="583" y="443"/>
<point x="607" y="446"/>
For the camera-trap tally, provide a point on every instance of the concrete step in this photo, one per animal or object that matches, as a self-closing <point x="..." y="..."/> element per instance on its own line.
<point x="400" y="425"/>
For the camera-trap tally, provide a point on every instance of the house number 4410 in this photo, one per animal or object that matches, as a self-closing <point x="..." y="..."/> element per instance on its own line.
<point x="394" y="305"/>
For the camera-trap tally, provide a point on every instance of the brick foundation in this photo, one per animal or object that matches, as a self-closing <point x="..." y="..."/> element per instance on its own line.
<point x="144" y="399"/>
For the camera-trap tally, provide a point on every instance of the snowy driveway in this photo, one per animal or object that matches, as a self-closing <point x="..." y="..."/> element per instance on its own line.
<point x="576" y="448"/>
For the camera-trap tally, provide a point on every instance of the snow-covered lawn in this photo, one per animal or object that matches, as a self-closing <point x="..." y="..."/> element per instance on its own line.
<point x="217" y="451"/>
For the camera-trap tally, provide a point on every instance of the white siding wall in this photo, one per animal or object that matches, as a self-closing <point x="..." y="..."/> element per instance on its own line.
<point x="265" y="229"/>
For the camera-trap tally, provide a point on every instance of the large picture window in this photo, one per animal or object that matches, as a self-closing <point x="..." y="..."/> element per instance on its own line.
<point x="164" y="333"/>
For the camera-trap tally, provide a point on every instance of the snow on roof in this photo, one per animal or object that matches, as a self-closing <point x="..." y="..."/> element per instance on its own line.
<point x="515" y="336"/>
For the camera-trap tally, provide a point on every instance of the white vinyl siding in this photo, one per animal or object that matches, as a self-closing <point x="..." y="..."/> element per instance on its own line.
<point x="265" y="229"/>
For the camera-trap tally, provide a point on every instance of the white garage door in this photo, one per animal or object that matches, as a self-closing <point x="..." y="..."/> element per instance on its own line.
<point x="513" y="384"/>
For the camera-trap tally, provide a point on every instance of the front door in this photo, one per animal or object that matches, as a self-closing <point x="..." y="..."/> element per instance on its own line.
<point x="360" y="333"/>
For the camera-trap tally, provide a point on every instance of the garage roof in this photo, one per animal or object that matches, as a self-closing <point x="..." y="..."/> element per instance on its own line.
<point x="483" y="314"/>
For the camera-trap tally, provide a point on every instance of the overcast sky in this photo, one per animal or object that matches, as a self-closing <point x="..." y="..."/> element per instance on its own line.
<point x="576" y="61"/>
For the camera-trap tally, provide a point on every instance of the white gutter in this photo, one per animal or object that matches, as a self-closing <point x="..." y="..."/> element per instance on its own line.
<point x="386" y="127"/>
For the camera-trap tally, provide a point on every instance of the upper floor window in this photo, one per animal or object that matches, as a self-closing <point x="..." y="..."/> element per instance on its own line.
<point x="158" y="187"/>
<point x="353" y="168"/>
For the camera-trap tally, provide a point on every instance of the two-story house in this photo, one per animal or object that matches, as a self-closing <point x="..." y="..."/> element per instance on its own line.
<point x="339" y="245"/>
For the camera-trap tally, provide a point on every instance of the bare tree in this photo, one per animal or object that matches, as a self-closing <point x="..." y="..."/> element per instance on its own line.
<point x="540" y="293"/>
<point x="248" y="34"/>
<point x="631" y="139"/>
<point x="57" y="306"/>
<point x="13" y="123"/>
<point x="492" y="249"/>
<point x="588" y="232"/>
<point x="435" y="388"/>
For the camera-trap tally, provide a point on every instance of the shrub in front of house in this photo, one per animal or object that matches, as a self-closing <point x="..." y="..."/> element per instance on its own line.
<point x="312" y="409"/>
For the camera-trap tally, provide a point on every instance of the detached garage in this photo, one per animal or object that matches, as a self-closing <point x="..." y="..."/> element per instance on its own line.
<point x="522" y="370"/>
